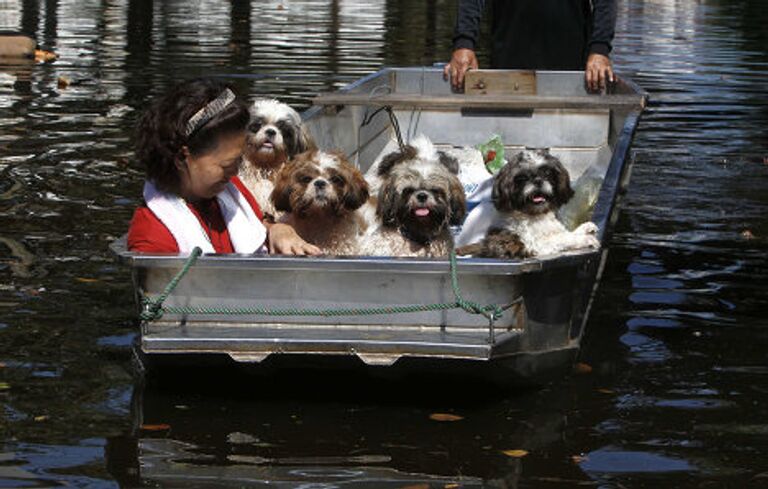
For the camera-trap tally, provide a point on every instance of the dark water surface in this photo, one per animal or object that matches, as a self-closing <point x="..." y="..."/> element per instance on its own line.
<point x="678" y="338"/>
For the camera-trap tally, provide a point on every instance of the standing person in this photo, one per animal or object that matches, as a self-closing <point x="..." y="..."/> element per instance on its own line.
<point x="538" y="34"/>
<point x="191" y="142"/>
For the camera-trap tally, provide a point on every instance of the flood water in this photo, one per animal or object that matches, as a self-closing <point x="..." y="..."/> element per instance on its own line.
<point x="677" y="341"/>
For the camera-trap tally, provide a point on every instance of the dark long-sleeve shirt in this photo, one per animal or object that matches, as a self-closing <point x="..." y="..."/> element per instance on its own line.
<point x="539" y="34"/>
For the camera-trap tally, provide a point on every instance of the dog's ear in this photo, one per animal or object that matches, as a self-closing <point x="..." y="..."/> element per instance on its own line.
<point x="297" y="158"/>
<point x="448" y="161"/>
<point x="281" y="194"/>
<point x="458" y="202"/>
<point x="386" y="205"/>
<point x="389" y="161"/>
<point x="504" y="188"/>
<point x="563" y="189"/>
<point x="356" y="192"/>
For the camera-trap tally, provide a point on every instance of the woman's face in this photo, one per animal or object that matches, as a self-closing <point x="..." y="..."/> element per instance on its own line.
<point x="207" y="174"/>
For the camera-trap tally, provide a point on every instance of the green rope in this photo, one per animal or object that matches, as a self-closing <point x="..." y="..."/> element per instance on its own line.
<point x="154" y="309"/>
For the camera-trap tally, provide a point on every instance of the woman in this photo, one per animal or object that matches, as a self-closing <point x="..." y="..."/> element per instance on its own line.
<point x="191" y="142"/>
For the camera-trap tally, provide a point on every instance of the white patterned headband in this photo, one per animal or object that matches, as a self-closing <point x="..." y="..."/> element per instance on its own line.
<point x="210" y="110"/>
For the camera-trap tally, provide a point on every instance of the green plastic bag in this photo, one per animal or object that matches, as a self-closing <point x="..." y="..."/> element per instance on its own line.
<point x="493" y="154"/>
<point x="586" y="189"/>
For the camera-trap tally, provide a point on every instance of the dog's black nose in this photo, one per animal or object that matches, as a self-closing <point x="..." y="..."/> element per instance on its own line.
<point x="320" y="184"/>
<point x="270" y="133"/>
<point x="422" y="197"/>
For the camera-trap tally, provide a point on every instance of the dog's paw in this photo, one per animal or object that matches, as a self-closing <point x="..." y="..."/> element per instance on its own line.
<point x="589" y="228"/>
<point x="591" y="242"/>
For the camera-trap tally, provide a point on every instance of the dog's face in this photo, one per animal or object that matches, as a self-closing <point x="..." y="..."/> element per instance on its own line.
<point x="275" y="134"/>
<point x="318" y="183"/>
<point x="420" y="193"/>
<point x="533" y="182"/>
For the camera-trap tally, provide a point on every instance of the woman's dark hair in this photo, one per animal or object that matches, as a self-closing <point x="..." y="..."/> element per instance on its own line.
<point x="161" y="132"/>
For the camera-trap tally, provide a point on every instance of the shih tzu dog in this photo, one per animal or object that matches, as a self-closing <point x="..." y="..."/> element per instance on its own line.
<point x="275" y="135"/>
<point x="419" y="196"/>
<point x="526" y="193"/>
<point x="321" y="194"/>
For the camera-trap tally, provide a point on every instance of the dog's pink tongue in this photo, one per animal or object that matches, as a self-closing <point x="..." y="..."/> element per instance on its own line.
<point x="421" y="212"/>
<point x="539" y="199"/>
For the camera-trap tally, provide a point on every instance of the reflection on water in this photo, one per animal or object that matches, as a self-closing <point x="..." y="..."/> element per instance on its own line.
<point x="337" y="431"/>
<point x="677" y="339"/>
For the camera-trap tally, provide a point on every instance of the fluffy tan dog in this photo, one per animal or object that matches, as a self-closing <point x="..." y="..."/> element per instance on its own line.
<point x="275" y="135"/>
<point x="321" y="194"/>
<point x="419" y="197"/>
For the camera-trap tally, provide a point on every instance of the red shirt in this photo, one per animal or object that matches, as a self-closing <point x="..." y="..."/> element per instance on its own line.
<point x="148" y="234"/>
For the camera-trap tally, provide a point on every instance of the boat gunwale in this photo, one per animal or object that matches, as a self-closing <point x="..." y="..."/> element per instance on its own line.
<point x="359" y="264"/>
<point x="637" y="98"/>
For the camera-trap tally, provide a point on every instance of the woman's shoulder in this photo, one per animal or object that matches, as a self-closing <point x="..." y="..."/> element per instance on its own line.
<point x="148" y="234"/>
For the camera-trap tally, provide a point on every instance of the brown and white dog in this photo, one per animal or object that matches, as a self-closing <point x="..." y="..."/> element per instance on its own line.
<point x="275" y="135"/>
<point x="520" y="221"/>
<point x="419" y="197"/>
<point x="321" y="194"/>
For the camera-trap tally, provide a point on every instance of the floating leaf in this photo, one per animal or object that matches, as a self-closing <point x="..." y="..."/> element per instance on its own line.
<point x="515" y="453"/>
<point x="577" y="459"/>
<point x="4" y="386"/>
<point x="582" y="368"/>
<point x="445" y="417"/>
<point x="606" y="391"/>
<point x="63" y="82"/>
<point x="452" y="485"/>
<point x="41" y="418"/>
<point x="86" y="280"/>
<point x="747" y="234"/>
<point x="156" y="427"/>
<point x="416" y="486"/>
<point x="42" y="56"/>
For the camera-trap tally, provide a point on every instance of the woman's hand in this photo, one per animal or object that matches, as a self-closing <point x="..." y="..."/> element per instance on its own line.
<point x="284" y="240"/>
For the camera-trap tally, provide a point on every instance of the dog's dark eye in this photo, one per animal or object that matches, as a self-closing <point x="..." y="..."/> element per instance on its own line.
<point x="521" y="179"/>
<point x="408" y="190"/>
<point x="285" y="129"/>
<point x="437" y="192"/>
<point x="305" y="179"/>
<point x="337" y="180"/>
<point x="254" y="126"/>
<point x="547" y="173"/>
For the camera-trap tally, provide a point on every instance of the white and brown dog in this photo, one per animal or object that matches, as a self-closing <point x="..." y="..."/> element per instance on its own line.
<point x="419" y="197"/>
<point x="520" y="221"/>
<point x="275" y="135"/>
<point x="321" y="194"/>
